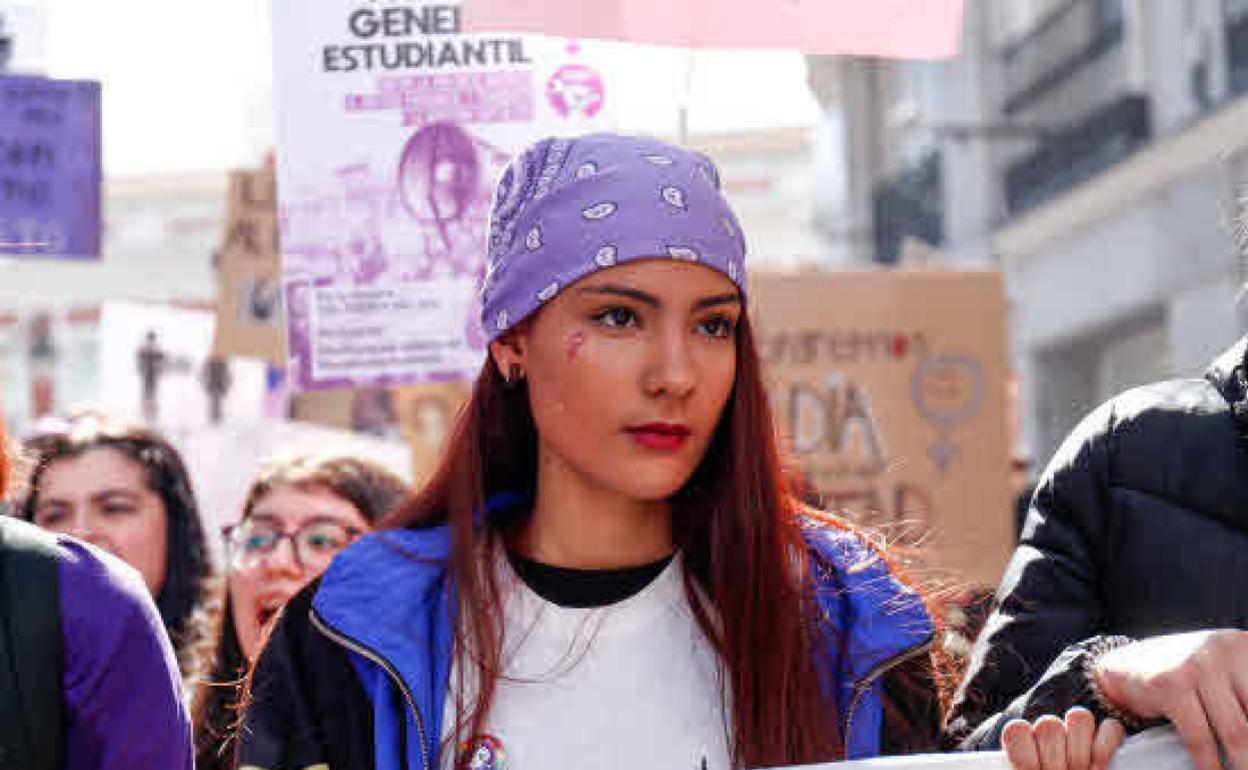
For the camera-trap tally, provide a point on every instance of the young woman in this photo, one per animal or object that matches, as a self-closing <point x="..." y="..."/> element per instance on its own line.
<point x="298" y="513"/>
<point x="608" y="570"/>
<point x="87" y="675"/>
<point x="126" y="490"/>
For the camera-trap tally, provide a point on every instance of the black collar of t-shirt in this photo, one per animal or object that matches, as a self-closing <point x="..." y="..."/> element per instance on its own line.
<point x="584" y="588"/>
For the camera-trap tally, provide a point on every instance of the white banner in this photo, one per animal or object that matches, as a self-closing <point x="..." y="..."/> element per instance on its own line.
<point x="392" y="127"/>
<point x="1156" y="749"/>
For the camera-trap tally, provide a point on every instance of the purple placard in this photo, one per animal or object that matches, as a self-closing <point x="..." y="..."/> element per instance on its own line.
<point x="49" y="167"/>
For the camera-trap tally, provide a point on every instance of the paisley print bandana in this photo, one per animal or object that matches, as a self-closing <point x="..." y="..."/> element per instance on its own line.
<point x="568" y="207"/>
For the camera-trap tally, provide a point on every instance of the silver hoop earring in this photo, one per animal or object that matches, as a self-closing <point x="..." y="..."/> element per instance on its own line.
<point x="513" y="375"/>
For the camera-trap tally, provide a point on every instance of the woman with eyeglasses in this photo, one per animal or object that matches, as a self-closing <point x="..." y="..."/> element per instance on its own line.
<point x="298" y="513"/>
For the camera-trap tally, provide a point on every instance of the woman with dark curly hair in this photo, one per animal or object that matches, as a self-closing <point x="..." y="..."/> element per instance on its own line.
<point x="319" y="503"/>
<point x="125" y="489"/>
<point x="87" y="675"/>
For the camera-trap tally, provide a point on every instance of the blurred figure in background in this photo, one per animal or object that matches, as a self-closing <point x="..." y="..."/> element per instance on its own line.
<point x="125" y="489"/>
<point x="87" y="675"/>
<point x="298" y="513"/>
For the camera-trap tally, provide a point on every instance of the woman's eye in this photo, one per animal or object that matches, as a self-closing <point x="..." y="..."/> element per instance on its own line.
<point x="617" y="317"/>
<point x="117" y="510"/>
<point x="258" y="541"/>
<point x="716" y="327"/>
<point x="51" y="519"/>
<point x="323" y="542"/>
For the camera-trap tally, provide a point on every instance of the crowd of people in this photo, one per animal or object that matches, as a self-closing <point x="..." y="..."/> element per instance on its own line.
<point x="609" y="567"/>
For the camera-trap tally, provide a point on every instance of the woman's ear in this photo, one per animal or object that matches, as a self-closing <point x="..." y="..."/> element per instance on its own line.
<point x="508" y="354"/>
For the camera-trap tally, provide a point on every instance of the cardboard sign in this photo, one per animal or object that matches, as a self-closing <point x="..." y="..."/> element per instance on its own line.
<point x="49" y="167"/>
<point x="392" y="124"/>
<point x="890" y="391"/>
<point x="427" y="414"/>
<point x="250" y="321"/>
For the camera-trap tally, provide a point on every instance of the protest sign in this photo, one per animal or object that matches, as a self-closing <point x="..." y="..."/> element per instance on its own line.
<point x="892" y="28"/>
<point x="890" y="390"/>
<point x="156" y="366"/>
<point x="49" y="167"/>
<point x="427" y="414"/>
<point x="249" y="306"/>
<point x="392" y="125"/>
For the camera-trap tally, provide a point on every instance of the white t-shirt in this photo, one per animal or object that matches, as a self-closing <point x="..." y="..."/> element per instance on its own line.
<point x="631" y="685"/>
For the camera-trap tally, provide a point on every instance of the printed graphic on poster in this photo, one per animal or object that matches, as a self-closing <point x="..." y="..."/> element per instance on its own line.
<point x="49" y="167"/>
<point x="392" y="126"/>
<point x="156" y="366"/>
<point x="890" y="389"/>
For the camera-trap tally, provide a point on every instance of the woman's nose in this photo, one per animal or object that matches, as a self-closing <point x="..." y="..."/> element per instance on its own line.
<point x="283" y="559"/>
<point x="671" y="371"/>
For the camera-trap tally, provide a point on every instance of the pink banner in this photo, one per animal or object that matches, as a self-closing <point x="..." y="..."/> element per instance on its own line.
<point x="919" y="29"/>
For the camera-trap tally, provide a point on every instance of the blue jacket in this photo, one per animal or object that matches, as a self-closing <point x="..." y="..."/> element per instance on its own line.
<point x="385" y="600"/>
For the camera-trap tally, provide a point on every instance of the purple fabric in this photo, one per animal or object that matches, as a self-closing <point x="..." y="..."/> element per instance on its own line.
<point x="566" y="208"/>
<point x="123" y="696"/>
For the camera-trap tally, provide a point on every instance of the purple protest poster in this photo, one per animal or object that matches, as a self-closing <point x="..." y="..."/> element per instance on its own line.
<point x="49" y="167"/>
<point x="392" y="126"/>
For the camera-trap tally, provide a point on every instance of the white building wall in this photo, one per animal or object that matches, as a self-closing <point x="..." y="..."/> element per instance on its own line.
<point x="1131" y="275"/>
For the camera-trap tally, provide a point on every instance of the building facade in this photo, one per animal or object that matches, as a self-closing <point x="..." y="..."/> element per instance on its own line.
<point x="1091" y="150"/>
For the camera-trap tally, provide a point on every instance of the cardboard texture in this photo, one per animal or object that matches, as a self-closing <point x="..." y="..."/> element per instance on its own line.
<point x="421" y="416"/>
<point x="249" y="286"/>
<point x="890" y="392"/>
<point x="427" y="414"/>
<point x="329" y="408"/>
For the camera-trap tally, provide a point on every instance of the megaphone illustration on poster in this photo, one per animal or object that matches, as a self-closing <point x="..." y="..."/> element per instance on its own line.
<point x="947" y="390"/>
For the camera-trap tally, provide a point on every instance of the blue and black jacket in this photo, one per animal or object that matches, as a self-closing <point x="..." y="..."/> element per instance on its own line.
<point x="355" y="673"/>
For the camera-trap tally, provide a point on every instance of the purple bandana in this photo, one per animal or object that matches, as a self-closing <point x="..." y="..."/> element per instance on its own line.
<point x="568" y="207"/>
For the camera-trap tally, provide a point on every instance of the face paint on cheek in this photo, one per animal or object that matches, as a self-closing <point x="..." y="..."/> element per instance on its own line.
<point x="575" y="343"/>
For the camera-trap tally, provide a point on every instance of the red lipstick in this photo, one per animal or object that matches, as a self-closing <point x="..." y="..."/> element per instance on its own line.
<point x="661" y="436"/>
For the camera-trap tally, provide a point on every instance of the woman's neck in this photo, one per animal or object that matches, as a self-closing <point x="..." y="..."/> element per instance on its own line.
<point x="582" y="526"/>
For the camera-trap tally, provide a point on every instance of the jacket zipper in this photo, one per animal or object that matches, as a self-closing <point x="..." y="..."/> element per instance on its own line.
<point x="881" y="668"/>
<point x="360" y="649"/>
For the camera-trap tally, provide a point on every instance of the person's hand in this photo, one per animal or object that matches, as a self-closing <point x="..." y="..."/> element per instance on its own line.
<point x="1049" y="743"/>
<point x="1198" y="680"/>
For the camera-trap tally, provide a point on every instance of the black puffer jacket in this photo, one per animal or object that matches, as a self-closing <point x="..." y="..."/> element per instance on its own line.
<point x="1139" y="527"/>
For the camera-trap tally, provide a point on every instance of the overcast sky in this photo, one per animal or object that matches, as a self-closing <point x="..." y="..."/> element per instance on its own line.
<point x="187" y="84"/>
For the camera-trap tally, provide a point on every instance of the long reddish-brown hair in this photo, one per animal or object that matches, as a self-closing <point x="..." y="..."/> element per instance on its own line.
<point x="4" y="463"/>
<point x="735" y="524"/>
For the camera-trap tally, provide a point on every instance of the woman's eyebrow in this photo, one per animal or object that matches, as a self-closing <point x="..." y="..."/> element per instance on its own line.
<point x="718" y="299"/>
<point x="624" y="291"/>
<point x="115" y="494"/>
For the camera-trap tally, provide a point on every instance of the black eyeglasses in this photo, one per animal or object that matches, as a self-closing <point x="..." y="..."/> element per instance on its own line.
<point x="315" y="543"/>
